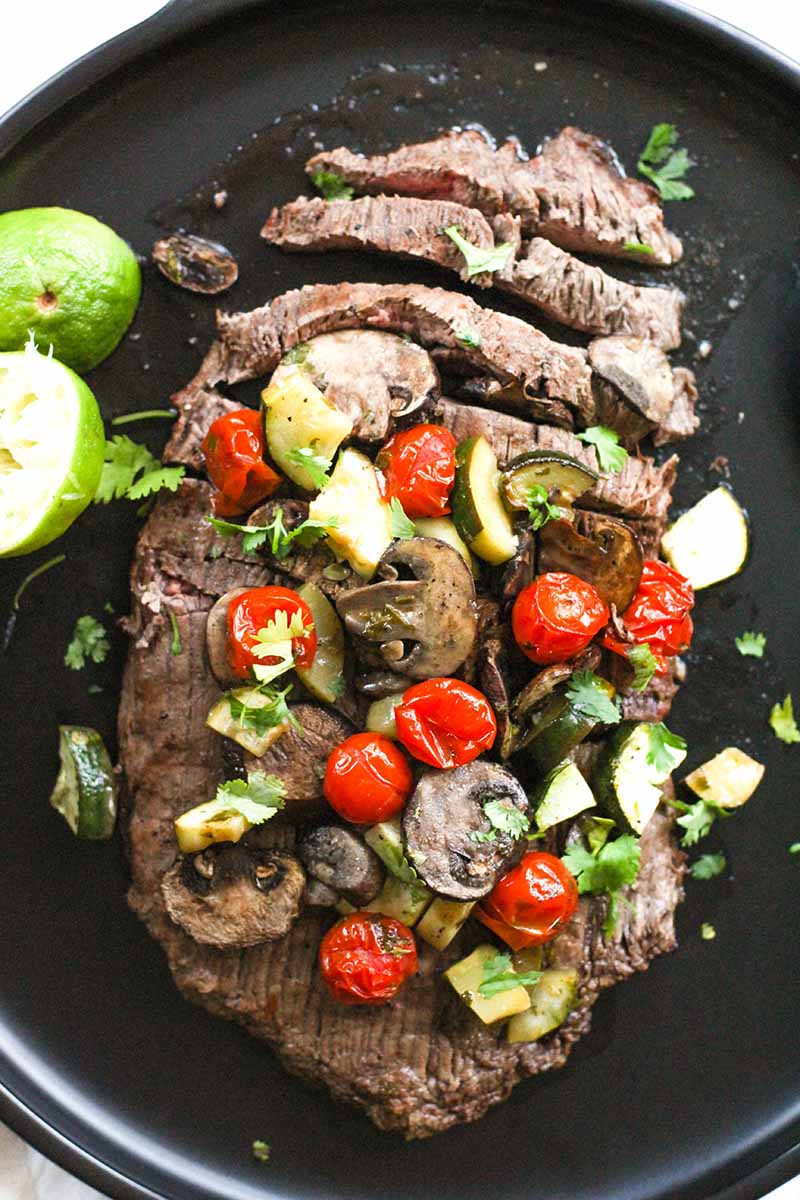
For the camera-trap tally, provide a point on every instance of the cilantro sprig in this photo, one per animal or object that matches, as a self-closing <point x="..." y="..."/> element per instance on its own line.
<point x="468" y="337"/>
<point x="707" y="866"/>
<point x="782" y="721"/>
<point x="480" y="258"/>
<point x="261" y="717"/>
<point x="615" y="866"/>
<point x="638" y="248"/>
<point x="540" y="510"/>
<point x="587" y="694"/>
<point x="130" y="471"/>
<point x="275" y="534"/>
<point x="667" y="750"/>
<point x="503" y="817"/>
<point x="89" y="643"/>
<point x="611" y="457"/>
<point x="499" y="976"/>
<point x="316" y="466"/>
<point x="644" y="664"/>
<point x="664" y="165"/>
<point x="256" y="798"/>
<point x="401" y="525"/>
<point x="751" y="645"/>
<point x="331" y="186"/>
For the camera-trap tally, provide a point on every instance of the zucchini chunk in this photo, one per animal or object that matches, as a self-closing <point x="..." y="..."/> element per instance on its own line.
<point x="563" y="794"/>
<point x="405" y="902"/>
<point x="204" y="825"/>
<point x="480" y="516"/>
<point x="221" y="720"/>
<point x="564" y="477"/>
<point x="728" y="779"/>
<point x="443" y="920"/>
<point x="444" y="530"/>
<point x="557" y="729"/>
<point x="297" y="416"/>
<point x="627" y="784"/>
<point x="85" y="792"/>
<point x="551" y="1001"/>
<point x="708" y="543"/>
<point x="467" y="976"/>
<point x="352" y="499"/>
<point x="380" y="716"/>
<point x="325" y="677"/>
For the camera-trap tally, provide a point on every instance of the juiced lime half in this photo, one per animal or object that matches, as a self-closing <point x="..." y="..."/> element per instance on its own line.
<point x="51" y="449"/>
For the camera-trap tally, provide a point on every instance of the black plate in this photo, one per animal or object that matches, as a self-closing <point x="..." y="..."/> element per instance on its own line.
<point x="688" y="1084"/>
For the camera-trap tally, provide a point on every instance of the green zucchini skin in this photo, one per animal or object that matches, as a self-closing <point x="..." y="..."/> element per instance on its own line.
<point x="558" y="729"/>
<point x="85" y="791"/>
<point x="624" y="784"/>
<point x="465" y="514"/>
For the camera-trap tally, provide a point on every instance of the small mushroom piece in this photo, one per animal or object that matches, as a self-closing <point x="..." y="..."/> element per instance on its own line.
<point x="421" y="621"/>
<point x="343" y="861"/>
<point x="319" y="895"/>
<point x="639" y="370"/>
<point x="445" y="810"/>
<point x="606" y="553"/>
<point x="233" y="895"/>
<point x="195" y="263"/>
<point x="217" y="639"/>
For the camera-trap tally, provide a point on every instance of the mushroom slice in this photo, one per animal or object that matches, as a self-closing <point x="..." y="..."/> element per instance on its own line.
<point x="233" y="895"/>
<point x="445" y="810"/>
<point x="217" y="639"/>
<point x="371" y="376"/>
<point x="421" y="621"/>
<point x="344" y="862"/>
<point x="608" y="555"/>
<point x="639" y="370"/>
<point x="298" y="760"/>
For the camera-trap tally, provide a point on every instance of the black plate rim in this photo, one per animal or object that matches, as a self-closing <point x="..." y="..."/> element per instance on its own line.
<point x="176" y="19"/>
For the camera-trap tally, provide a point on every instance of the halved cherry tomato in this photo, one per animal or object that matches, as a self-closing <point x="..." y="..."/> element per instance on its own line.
<point x="419" y="467"/>
<point x="366" y="957"/>
<point x="234" y="454"/>
<point x="367" y="779"/>
<point x="532" y="903"/>
<point x="445" y="722"/>
<point x="254" y="610"/>
<point x="658" y="614"/>
<point x="555" y="617"/>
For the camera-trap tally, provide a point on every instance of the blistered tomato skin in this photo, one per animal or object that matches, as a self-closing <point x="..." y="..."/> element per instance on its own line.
<point x="233" y="450"/>
<point x="367" y="779"/>
<point x="658" y="614"/>
<point x="555" y="617"/>
<point x="365" y="958"/>
<point x="532" y="903"/>
<point x="445" y="722"/>
<point x="419" y="469"/>
<point x="254" y="610"/>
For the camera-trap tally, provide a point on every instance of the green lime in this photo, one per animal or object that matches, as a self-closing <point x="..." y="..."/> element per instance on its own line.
<point x="70" y="279"/>
<point x="52" y="446"/>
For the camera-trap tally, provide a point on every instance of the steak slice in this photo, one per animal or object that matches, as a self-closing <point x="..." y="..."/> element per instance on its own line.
<point x="573" y="193"/>
<point x="564" y="288"/>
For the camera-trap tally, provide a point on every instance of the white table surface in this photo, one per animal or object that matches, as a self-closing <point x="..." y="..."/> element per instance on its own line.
<point x="43" y="38"/>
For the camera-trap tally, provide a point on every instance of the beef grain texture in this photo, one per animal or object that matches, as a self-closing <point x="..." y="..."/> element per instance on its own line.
<point x="421" y="1063"/>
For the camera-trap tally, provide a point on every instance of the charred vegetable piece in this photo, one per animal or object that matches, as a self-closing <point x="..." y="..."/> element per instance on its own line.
<point x="298" y="417"/>
<point x="630" y="772"/>
<point x="563" y="794"/>
<point x="341" y="859"/>
<point x="467" y="977"/>
<point x="551" y="1001"/>
<point x="324" y="678"/>
<point x="217" y="638"/>
<point x="233" y="450"/>
<point x="610" y="558"/>
<point x="85" y="792"/>
<point x="195" y="263"/>
<point x="445" y="722"/>
<point x="443" y="920"/>
<point x="419" y="467"/>
<point x="710" y="542"/>
<point x="564" y="478"/>
<point x="727" y="780"/>
<point x="360" y="519"/>
<point x="557" y="729"/>
<point x="478" y="510"/>
<point x="249" y="727"/>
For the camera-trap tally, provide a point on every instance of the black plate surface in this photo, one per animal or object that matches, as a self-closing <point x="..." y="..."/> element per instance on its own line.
<point x="688" y="1085"/>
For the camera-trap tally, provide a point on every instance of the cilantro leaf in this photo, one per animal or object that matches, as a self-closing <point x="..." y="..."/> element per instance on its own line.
<point x="615" y="866"/>
<point x="276" y="534"/>
<point x="667" y="750"/>
<point x="637" y="248"/>
<point x="540" y="510"/>
<point x="298" y="354"/>
<point x="394" y="859"/>
<point x="402" y="526"/>
<point x="89" y="643"/>
<point x="262" y="717"/>
<point x="696" y="819"/>
<point x="261" y="1151"/>
<point x="175" y="646"/>
<point x="751" y="644"/>
<point x="707" y="931"/>
<point x="794" y="849"/>
<point x="480" y="258"/>
<point x="644" y="665"/>
<point x="130" y="470"/>
<point x="256" y="798"/>
<point x="707" y="866"/>
<point x="331" y="185"/>
<point x="155" y="481"/>
<point x="783" y="723"/>
<point x="500" y="976"/>
<point x="663" y="165"/>
<point x="468" y="337"/>
<point x="505" y="818"/>
<point x="587" y="695"/>
<point x="316" y="466"/>
<point x="610" y="455"/>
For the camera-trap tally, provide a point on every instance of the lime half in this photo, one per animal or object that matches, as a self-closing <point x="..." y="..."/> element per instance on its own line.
<point x="51" y="449"/>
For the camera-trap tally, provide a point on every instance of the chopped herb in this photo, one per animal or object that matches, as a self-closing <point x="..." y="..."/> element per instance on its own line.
<point x="500" y="976"/>
<point x="297" y="355"/>
<point x="707" y="866"/>
<point x="275" y="641"/>
<point x="615" y="866"/>
<point x="540" y="510"/>
<point x="503" y="818"/>
<point x="663" y="746"/>
<point x="29" y="578"/>
<point x="264" y="716"/>
<point x="644" y="665"/>
<point x="276" y="534"/>
<point x="130" y="470"/>
<point x="164" y="478"/>
<point x="479" y="258"/>
<point x="94" y="689"/>
<point x="402" y="526"/>
<point x="637" y="248"/>
<point x="89" y="643"/>
<point x="586" y="694"/>
<point x="665" y="166"/>
<point x="394" y="859"/>
<point x="331" y="185"/>
<point x="696" y="819"/>
<point x="783" y="723"/>
<point x="707" y="931"/>
<point x="108" y="607"/>
<point x="261" y="1151"/>
<point x="175" y="646"/>
<point x="316" y="466"/>
<point x="610" y="455"/>
<point x="795" y="849"/>
<point x="468" y="337"/>
<point x="751" y="644"/>
<point x="256" y="798"/>
<point x="149" y="414"/>
<point x="336" y="571"/>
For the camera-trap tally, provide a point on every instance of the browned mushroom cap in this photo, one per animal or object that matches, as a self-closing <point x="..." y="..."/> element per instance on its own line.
<point x="610" y="557"/>
<point x="639" y="370"/>
<point x="422" y="620"/>
<point x="445" y="810"/>
<point x="233" y="895"/>
<point x="341" y="859"/>
<point x="298" y="760"/>
<point x="217" y="639"/>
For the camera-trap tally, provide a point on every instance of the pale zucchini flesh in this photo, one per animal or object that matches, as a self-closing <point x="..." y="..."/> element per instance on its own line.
<point x="564" y="794"/>
<point x="297" y="416"/>
<point x="403" y="901"/>
<point x="467" y="975"/>
<point x="551" y="1001"/>
<point x="443" y="920"/>
<point x="362" y="528"/>
<point x="325" y="677"/>
<point x="203" y="825"/>
<point x="479" y="513"/>
<point x="444" y="529"/>
<point x="85" y="790"/>
<point x="728" y="779"/>
<point x="380" y="716"/>
<point x="628" y="785"/>
<point x="386" y="839"/>
<point x="708" y="543"/>
<point x="222" y="721"/>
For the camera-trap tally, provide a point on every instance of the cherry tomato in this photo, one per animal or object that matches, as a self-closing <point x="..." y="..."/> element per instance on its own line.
<point x="419" y="467"/>
<point x="366" y="957"/>
<point x="234" y="454"/>
<point x="445" y="723"/>
<point x="254" y="610"/>
<point x="555" y="617"/>
<point x="367" y="779"/>
<point x="532" y="903"/>
<point x="658" y="614"/>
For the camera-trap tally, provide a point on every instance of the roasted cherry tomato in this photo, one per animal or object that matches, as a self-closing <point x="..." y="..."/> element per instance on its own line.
<point x="555" y="617"/>
<point x="419" y="467"/>
<point x="367" y="779"/>
<point x="445" y="723"/>
<point x="532" y="903"/>
<point x="366" y="957"/>
<point x="253" y="611"/>
<point x="234" y="454"/>
<point x="658" y="614"/>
